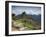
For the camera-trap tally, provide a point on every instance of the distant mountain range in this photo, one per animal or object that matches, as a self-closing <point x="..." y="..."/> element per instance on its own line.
<point x="36" y="17"/>
<point x="33" y="17"/>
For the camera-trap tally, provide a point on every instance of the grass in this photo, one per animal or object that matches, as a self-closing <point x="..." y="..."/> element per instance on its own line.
<point x="31" y="25"/>
<point x="25" y="23"/>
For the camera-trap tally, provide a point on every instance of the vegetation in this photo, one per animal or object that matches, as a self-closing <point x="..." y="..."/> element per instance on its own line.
<point x="25" y="22"/>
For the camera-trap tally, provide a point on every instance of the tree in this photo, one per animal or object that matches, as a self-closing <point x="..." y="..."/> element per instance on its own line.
<point x="13" y="17"/>
<point x="13" y="14"/>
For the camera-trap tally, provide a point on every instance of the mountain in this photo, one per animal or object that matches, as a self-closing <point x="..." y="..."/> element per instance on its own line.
<point x="33" y="17"/>
<point x="36" y="18"/>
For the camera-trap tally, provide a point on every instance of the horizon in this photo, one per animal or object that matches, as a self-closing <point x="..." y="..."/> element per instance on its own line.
<point x="28" y="10"/>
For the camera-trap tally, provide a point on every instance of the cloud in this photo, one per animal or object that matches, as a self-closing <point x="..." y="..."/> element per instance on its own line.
<point x="29" y="10"/>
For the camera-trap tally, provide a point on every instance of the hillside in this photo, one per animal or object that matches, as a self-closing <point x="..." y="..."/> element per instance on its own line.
<point x="26" y="22"/>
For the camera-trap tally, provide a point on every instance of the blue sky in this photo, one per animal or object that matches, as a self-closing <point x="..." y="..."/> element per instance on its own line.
<point x="28" y="9"/>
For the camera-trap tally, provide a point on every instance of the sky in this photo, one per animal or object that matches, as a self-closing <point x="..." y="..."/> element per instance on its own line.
<point x="28" y="9"/>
